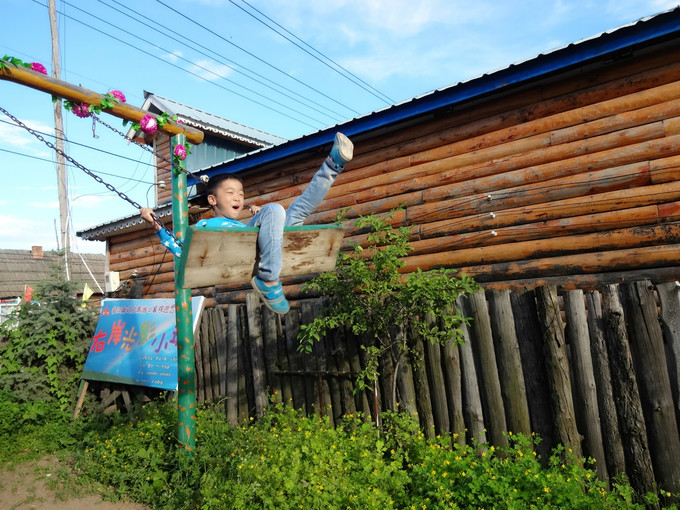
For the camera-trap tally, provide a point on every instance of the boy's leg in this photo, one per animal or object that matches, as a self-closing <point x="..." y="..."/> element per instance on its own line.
<point x="270" y="219"/>
<point x="323" y="179"/>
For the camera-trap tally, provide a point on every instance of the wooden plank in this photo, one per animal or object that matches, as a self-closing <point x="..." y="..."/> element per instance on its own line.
<point x="256" y="343"/>
<point x="558" y="369"/>
<point x="217" y="256"/>
<point x="487" y="369"/>
<point x="454" y="389"/>
<point x="587" y="409"/>
<point x="437" y="385"/>
<point x="472" y="411"/>
<point x="509" y="362"/>
<point x="669" y="296"/>
<point x="75" y="93"/>
<point x="221" y="333"/>
<point x="646" y="342"/>
<point x="613" y="447"/>
<point x="232" y="365"/>
<point x="530" y="342"/>
<point x="626" y="394"/>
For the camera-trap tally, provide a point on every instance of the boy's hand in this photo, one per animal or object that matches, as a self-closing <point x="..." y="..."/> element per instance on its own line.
<point x="254" y="209"/>
<point x="149" y="216"/>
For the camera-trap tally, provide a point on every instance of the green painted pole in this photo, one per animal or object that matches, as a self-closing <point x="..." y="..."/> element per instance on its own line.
<point x="186" y="400"/>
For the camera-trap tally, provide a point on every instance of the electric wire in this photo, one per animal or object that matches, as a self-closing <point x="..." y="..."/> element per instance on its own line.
<point x="230" y="64"/>
<point x="188" y="18"/>
<point x="345" y="74"/>
<point x="269" y="108"/>
<point x="30" y="156"/>
<point x="90" y="147"/>
<point x="195" y="65"/>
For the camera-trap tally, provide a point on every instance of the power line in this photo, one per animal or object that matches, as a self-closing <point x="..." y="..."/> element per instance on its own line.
<point x="345" y="74"/>
<point x="195" y="65"/>
<point x="30" y="156"/>
<point x="84" y="145"/>
<point x="269" y="108"/>
<point x="227" y="62"/>
<point x="188" y="18"/>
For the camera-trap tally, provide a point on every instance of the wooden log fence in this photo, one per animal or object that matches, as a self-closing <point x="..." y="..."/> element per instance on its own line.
<point x="594" y="371"/>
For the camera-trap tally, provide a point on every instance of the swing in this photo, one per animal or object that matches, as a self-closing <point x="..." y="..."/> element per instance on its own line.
<point x="217" y="256"/>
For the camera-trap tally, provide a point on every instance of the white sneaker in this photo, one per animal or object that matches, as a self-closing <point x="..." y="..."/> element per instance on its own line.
<point x="343" y="150"/>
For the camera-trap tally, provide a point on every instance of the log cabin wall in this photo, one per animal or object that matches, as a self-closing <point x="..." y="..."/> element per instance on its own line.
<point x="572" y="179"/>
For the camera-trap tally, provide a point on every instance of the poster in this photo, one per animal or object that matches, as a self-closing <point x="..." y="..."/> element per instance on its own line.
<point x="135" y="342"/>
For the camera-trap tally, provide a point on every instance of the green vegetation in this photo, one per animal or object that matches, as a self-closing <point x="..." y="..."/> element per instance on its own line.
<point x="45" y="342"/>
<point x="287" y="460"/>
<point x="390" y="311"/>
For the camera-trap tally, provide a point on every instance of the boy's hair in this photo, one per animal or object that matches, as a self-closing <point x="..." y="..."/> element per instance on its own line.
<point x="215" y="181"/>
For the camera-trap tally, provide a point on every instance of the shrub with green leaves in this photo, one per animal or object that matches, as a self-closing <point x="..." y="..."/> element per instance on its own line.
<point x="287" y="460"/>
<point x="390" y="310"/>
<point x="45" y="343"/>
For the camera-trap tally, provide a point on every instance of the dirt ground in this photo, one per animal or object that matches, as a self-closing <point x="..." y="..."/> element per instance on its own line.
<point x="48" y="484"/>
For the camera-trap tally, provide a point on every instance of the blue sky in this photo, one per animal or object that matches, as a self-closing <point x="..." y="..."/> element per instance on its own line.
<point x="215" y="56"/>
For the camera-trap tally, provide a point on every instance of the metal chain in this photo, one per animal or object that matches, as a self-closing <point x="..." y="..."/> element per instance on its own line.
<point x="87" y="171"/>
<point x="202" y="178"/>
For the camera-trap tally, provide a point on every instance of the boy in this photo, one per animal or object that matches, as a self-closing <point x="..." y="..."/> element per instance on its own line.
<point x="225" y="195"/>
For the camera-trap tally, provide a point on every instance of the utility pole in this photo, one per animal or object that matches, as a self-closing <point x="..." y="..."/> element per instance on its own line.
<point x="62" y="182"/>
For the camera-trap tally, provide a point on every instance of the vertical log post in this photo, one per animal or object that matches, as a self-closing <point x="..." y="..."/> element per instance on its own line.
<point x="232" y="365"/>
<point x="186" y="400"/>
<point x="490" y="385"/>
<point x="221" y="349"/>
<point x="626" y="396"/>
<point x="535" y="374"/>
<point x="558" y="368"/>
<point x="509" y="362"/>
<point x="587" y="415"/>
<point x="669" y="295"/>
<point x="435" y="375"/>
<point x="613" y="447"/>
<point x="256" y="344"/>
<point x="472" y="412"/>
<point x="646" y="343"/>
<point x="454" y="389"/>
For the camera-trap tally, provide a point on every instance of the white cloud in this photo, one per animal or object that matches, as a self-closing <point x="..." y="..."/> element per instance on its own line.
<point x="44" y="205"/>
<point x="173" y="57"/>
<point x="18" y="138"/>
<point x="209" y="70"/>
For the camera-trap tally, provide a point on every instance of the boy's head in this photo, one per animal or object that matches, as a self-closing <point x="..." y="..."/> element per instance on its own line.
<point x="225" y="195"/>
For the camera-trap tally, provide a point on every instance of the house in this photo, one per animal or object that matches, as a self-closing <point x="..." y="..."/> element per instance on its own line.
<point x="560" y="169"/>
<point x="21" y="270"/>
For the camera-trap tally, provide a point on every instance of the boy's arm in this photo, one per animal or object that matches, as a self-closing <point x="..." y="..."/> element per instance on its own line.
<point x="166" y="238"/>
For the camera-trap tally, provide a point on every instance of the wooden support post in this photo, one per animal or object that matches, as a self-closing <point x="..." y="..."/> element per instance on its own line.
<point x="186" y="401"/>
<point x="585" y="388"/>
<point x="59" y="88"/>
<point x="558" y="369"/>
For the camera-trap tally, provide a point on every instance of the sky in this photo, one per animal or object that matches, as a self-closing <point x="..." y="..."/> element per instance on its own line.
<point x="286" y="67"/>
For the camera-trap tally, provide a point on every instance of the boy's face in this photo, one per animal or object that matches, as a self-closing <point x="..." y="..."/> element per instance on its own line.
<point x="228" y="199"/>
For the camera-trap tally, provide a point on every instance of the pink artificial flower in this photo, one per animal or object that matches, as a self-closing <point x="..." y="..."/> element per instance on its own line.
<point x="81" y="110"/>
<point x="36" y="66"/>
<point x="148" y="124"/>
<point x="118" y="95"/>
<point x="180" y="152"/>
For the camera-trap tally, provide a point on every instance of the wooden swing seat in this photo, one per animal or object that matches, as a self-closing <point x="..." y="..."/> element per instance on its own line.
<point x="217" y="256"/>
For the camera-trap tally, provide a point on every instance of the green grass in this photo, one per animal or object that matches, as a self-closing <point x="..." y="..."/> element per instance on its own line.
<point x="288" y="460"/>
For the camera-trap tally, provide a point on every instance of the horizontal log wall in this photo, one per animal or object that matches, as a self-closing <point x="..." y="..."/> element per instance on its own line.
<point x="587" y="370"/>
<point x="575" y="179"/>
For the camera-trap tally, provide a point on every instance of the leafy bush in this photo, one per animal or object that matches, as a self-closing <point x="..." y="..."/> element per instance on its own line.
<point x="45" y="344"/>
<point x="287" y="460"/>
<point x="369" y="293"/>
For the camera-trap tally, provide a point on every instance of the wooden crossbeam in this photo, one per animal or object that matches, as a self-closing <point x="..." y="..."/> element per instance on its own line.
<point x="217" y="256"/>
<point x="59" y="88"/>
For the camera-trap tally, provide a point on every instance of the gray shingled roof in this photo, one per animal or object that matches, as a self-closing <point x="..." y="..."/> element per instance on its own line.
<point x="210" y="122"/>
<point x="19" y="268"/>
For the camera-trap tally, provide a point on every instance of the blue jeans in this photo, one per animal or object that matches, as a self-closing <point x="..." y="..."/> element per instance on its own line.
<point x="273" y="217"/>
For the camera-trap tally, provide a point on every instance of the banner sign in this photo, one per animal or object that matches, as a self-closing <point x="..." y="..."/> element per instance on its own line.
<point x="135" y="342"/>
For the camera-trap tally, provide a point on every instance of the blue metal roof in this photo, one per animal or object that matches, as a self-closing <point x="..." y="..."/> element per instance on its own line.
<point x="643" y="32"/>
